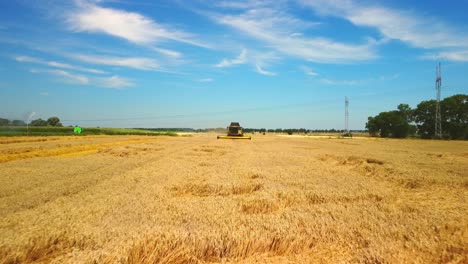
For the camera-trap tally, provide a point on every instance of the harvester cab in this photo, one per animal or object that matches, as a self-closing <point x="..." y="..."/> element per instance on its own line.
<point x="234" y="131"/>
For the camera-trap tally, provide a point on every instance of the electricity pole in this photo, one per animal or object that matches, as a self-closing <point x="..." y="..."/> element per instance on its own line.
<point x="346" y="115"/>
<point x="438" y="118"/>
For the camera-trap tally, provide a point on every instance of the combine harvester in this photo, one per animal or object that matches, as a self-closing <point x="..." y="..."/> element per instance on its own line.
<point x="234" y="132"/>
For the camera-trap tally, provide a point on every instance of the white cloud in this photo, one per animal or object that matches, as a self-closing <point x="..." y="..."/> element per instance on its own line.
<point x="44" y="93"/>
<point x="263" y="72"/>
<point x="66" y="76"/>
<point x="26" y="59"/>
<point x="296" y="34"/>
<point x="168" y="53"/>
<point x="414" y="29"/>
<point x="131" y="26"/>
<point x="308" y="71"/>
<point x="74" y="78"/>
<point x="128" y="62"/>
<point x="382" y="78"/>
<point x="340" y="82"/>
<point x="115" y="82"/>
<point x="280" y="32"/>
<point x="461" y="56"/>
<point x="242" y="4"/>
<point x="55" y="64"/>
<point x="241" y="59"/>
<point x="389" y="77"/>
<point x="206" y="80"/>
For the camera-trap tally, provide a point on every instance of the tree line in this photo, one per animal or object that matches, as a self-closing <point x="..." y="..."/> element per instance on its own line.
<point x="296" y="130"/>
<point x="51" y="121"/>
<point x="420" y="121"/>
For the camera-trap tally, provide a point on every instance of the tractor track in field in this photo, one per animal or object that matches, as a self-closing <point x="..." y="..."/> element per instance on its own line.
<point x="46" y="193"/>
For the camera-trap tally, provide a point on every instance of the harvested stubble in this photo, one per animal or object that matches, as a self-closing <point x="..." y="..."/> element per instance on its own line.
<point x="202" y="200"/>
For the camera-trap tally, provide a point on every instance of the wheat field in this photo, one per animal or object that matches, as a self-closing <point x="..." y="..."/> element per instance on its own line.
<point x="137" y="199"/>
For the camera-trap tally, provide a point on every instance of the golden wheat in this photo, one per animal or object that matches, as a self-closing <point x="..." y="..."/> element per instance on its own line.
<point x="130" y="199"/>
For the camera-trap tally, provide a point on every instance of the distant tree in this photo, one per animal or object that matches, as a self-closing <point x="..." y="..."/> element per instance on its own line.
<point x="412" y="130"/>
<point x="38" y="122"/>
<point x="388" y="124"/>
<point x="372" y="126"/>
<point x="454" y="112"/>
<point x="54" y="121"/>
<point x="4" y="122"/>
<point x="406" y="112"/>
<point x="18" y="123"/>
<point x="399" y="127"/>
<point x="424" y="116"/>
<point x="421" y="120"/>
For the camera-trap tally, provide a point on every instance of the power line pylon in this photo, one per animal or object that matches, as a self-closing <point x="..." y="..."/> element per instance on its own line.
<point x="438" y="118"/>
<point x="346" y="115"/>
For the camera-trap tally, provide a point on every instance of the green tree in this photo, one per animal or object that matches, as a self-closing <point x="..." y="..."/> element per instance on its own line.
<point x="413" y="129"/>
<point x="406" y="112"/>
<point x="372" y="126"/>
<point x="38" y="122"/>
<point x="18" y="123"/>
<point x="454" y="112"/>
<point x="389" y="124"/>
<point x="424" y="116"/>
<point x="421" y="120"/>
<point x="4" y="122"/>
<point x="54" y="121"/>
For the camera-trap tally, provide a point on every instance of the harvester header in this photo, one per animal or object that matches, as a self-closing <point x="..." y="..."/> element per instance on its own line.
<point x="234" y="132"/>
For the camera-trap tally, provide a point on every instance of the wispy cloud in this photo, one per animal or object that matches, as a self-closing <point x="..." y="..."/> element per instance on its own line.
<point x="241" y="59"/>
<point x="206" y="80"/>
<point x="44" y="94"/>
<point x="128" y="62"/>
<point x="71" y="77"/>
<point x="168" y="53"/>
<point x="340" y="82"/>
<point x="409" y="27"/>
<point x="308" y="71"/>
<point x="278" y="30"/>
<point x="115" y="82"/>
<point x="263" y="72"/>
<point x="461" y="56"/>
<point x="131" y="26"/>
<point x="65" y="76"/>
<point x="55" y="64"/>
<point x="376" y="79"/>
<point x="389" y="77"/>
<point x="242" y="4"/>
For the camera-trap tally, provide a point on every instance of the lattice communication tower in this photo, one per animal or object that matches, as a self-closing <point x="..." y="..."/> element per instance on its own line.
<point x="438" y="118"/>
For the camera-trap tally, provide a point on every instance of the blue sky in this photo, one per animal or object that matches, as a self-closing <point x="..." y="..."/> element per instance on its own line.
<point x="272" y="64"/>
